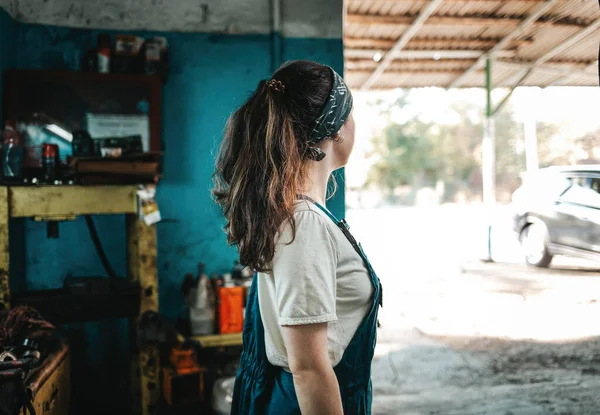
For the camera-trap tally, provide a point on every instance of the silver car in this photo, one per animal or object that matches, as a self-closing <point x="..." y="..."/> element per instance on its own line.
<point x="557" y="212"/>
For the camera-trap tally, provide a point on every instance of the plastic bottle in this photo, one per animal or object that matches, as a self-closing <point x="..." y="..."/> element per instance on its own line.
<point x="211" y="297"/>
<point x="228" y="280"/>
<point x="237" y="272"/>
<point x="104" y="53"/>
<point x="12" y="154"/>
<point x="50" y="162"/>
<point x="202" y="314"/>
<point x="217" y="282"/>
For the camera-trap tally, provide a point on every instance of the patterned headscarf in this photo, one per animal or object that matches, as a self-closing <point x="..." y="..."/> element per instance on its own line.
<point x="335" y="111"/>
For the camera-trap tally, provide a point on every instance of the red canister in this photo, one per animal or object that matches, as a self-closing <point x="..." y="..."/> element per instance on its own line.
<point x="50" y="161"/>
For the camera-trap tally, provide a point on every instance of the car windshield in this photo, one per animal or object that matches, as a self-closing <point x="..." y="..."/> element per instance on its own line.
<point x="548" y="184"/>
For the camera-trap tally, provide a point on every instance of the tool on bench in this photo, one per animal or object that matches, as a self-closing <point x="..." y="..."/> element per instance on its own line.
<point x="16" y="363"/>
<point x="24" y="357"/>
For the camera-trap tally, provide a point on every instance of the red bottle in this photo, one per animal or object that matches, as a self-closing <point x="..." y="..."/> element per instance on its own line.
<point x="104" y="53"/>
<point x="50" y="162"/>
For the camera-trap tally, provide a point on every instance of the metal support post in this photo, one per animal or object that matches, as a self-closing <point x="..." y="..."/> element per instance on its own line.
<point x="488" y="167"/>
<point x="141" y="241"/>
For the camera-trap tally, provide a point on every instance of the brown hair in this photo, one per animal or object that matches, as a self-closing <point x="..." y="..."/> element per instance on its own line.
<point x="262" y="162"/>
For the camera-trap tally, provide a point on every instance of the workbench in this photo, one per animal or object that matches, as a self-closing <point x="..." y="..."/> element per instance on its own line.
<point x="219" y="340"/>
<point x="59" y="203"/>
<point x="49" y="384"/>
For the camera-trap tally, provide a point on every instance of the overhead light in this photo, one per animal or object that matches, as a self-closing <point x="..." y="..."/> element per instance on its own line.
<point x="59" y="131"/>
<point x="436" y="56"/>
<point x="377" y="57"/>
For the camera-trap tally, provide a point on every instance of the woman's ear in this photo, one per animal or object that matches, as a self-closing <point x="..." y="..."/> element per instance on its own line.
<point x="338" y="137"/>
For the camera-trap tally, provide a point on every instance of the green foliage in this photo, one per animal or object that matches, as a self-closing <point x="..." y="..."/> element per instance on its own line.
<point x="420" y="152"/>
<point x="403" y="154"/>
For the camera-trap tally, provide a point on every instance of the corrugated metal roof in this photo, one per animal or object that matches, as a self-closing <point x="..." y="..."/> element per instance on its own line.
<point x="578" y="10"/>
<point x="470" y="28"/>
<point x="581" y="50"/>
<point x="463" y="31"/>
<point x="545" y="39"/>
<point x="390" y="80"/>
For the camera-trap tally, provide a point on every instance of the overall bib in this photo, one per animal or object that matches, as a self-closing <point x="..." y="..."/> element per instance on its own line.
<point x="263" y="389"/>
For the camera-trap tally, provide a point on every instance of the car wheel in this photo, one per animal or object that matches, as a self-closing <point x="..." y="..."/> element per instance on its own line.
<point x="534" y="241"/>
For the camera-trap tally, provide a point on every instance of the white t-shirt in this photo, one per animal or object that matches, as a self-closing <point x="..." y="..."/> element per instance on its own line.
<point x="318" y="278"/>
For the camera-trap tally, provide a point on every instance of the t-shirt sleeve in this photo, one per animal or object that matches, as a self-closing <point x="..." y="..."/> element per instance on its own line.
<point x="305" y="272"/>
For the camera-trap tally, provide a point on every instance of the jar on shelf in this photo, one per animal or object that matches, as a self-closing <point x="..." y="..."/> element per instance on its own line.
<point x="12" y="153"/>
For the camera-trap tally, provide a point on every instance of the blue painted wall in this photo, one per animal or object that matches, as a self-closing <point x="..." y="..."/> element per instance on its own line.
<point x="210" y="76"/>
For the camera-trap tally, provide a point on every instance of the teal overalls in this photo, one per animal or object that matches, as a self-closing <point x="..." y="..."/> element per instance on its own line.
<point x="263" y="389"/>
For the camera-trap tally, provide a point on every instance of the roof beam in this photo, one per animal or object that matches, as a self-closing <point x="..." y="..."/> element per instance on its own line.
<point x="576" y="67"/>
<point x="471" y="20"/>
<point x="428" y="43"/>
<point x="561" y="47"/>
<point x="525" y="67"/>
<point x="406" y="36"/>
<point x="401" y="61"/>
<point x="548" y="69"/>
<point x="422" y="54"/>
<point x="384" y="2"/>
<point x="407" y="57"/>
<point x="524" y="26"/>
<point x="566" y="78"/>
<point x="396" y="71"/>
<point x="424" y="64"/>
<point x="567" y="43"/>
<point x="507" y="96"/>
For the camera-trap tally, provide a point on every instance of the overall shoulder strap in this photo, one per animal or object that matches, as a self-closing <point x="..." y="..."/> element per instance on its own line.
<point x="324" y="209"/>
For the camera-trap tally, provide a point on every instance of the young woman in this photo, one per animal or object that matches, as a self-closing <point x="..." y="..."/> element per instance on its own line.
<point x="311" y="317"/>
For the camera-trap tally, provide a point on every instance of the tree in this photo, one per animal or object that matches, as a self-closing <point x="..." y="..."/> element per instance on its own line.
<point x="510" y="152"/>
<point x="405" y="154"/>
<point x="422" y="152"/>
<point x="547" y="153"/>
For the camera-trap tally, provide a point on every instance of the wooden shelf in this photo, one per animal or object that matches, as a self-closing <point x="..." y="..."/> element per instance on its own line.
<point x="70" y="95"/>
<point x="86" y="78"/>
<point x="219" y="340"/>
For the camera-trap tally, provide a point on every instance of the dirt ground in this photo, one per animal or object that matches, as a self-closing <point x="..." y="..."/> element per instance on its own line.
<point x="451" y="375"/>
<point x="463" y="337"/>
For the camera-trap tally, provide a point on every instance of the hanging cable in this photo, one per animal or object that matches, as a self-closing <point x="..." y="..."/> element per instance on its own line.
<point x="96" y="240"/>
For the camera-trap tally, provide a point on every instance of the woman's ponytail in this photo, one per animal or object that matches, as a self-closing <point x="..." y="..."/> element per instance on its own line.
<point x="262" y="163"/>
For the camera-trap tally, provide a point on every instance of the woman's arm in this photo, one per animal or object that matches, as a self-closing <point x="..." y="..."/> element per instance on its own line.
<point x="315" y="382"/>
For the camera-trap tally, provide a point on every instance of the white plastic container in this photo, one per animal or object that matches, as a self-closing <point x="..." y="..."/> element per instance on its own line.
<point x="222" y="396"/>
<point x="228" y="280"/>
<point x="202" y="313"/>
<point x="202" y="321"/>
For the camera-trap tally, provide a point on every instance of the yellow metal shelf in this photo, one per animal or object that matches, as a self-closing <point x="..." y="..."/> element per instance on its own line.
<point x="67" y="202"/>
<point x="56" y="201"/>
<point x="219" y="340"/>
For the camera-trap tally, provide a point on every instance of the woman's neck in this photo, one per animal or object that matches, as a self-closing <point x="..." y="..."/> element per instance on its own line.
<point x="315" y="186"/>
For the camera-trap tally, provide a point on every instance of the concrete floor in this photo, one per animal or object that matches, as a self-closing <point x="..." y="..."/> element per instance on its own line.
<point x="462" y="337"/>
